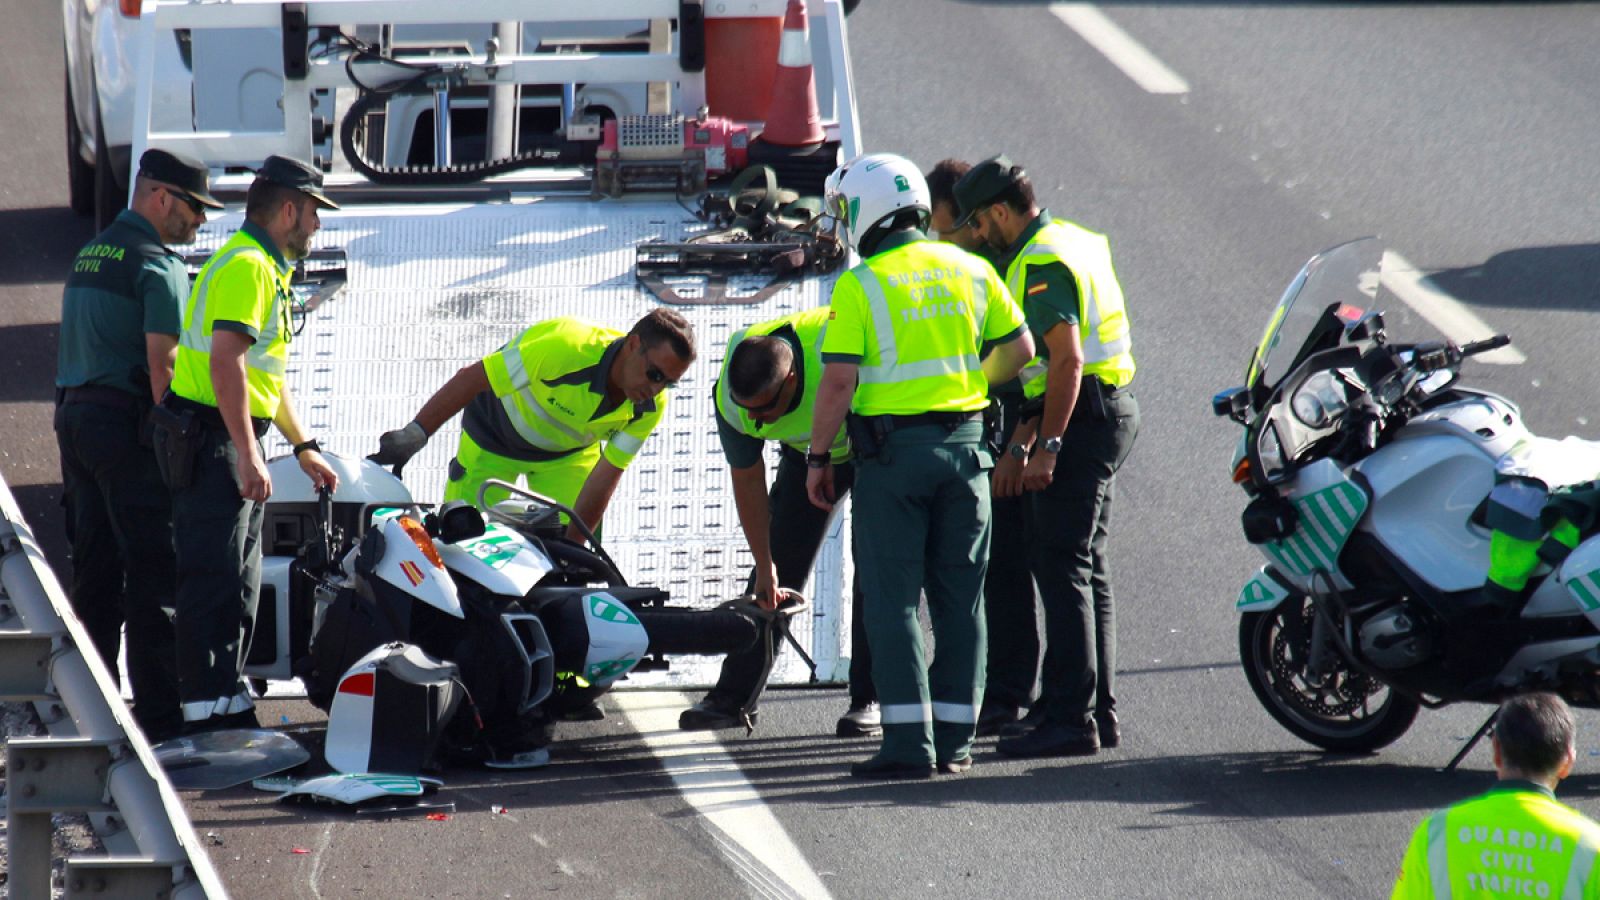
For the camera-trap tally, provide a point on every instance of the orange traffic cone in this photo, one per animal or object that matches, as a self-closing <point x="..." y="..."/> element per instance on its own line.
<point x="793" y="119"/>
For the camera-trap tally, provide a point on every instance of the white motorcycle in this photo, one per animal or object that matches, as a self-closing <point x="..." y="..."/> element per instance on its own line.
<point x="538" y="626"/>
<point x="1370" y="471"/>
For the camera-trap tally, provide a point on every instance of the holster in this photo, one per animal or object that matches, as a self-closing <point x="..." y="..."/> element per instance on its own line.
<point x="866" y="435"/>
<point x="177" y="436"/>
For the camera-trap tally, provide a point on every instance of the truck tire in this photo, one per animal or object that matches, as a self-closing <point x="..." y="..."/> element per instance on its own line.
<point x="80" y="175"/>
<point x="703" y="632"/>
<point x="109" y="199"/>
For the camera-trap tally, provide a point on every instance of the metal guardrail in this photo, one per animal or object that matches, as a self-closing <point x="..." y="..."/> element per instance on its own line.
<point x="95" y="760"/>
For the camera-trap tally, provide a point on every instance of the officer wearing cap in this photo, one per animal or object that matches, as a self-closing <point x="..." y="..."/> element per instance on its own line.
<point x="903" y="353"/>
<point x="1010" y="603"/>
<point x="1067" y="455"/>
<point x="228" y="386"/>
<point x="119" y="330"/>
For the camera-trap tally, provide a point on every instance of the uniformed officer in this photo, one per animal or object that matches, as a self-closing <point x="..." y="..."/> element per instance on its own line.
<point x="1515" y="840"/>
<point x="767" y="392"/>
<point x="228" y="386"/>
<point x="119" y="330"/>
<point x="909" y="324"/>
<point x="540" y="407"/>
<point x="1063" y="276"/>
<point x="1010" y="605"/>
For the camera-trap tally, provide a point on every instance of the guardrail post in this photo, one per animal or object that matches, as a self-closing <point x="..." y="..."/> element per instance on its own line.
<point x="118" y="876"/>
<point x="25" y="667"/>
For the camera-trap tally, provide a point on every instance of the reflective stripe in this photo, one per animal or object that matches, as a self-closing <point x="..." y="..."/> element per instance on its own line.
<point x="514" y="405"/>
<point x="960" y="713"/>
<point x="1582" y="865"/>
<point x="726" y="392"/>
<point x="928" y="368"/>
<point x="1439" y="856"/>
<point x="905" y="713"/>
<point x="194" y="334"/>
<point x="1098" y="346"/>
<point x="980" y="303"/>
<point x="882" y="321"/>
<point x="793" y="49"/>
<point x="625" y="442"/>
<point x="511" y="358"/>
<point x="199" y="710"/>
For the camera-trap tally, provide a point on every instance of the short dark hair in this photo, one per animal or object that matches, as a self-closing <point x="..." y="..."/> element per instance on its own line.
<point x="757" y="364"/>
<point x="942" y="181"/>
<point x="265" y="198"/>
<point x="1535" y="732"/>
<point x="662" y="325"/>
<point x="1019" y="196"/>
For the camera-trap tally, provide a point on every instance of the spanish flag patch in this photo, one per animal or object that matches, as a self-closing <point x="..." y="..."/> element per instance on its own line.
<point x="1038" y="288"/>
<point x="412" y="572"/>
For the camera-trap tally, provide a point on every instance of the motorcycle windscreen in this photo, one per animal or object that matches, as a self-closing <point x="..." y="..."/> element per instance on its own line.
<point x="215" y="760"/>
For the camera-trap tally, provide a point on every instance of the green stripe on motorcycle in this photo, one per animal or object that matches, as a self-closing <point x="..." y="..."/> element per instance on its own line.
<point x="1328" y="518"/>
<point x="1584" y="588"/>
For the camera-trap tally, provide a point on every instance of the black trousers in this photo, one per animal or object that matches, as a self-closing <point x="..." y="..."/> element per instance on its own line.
<point x="218" y="539"/>
<point x="1069" y="524"/>
<point x="1010" y="603"/>
<point x="796" y="535"/>
<point x="119" y="523"/>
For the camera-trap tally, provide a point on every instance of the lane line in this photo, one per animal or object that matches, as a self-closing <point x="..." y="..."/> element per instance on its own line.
<point x="1120" y="48"/>
<point x="708" y="778"/>
<point x="1442" y="311"/>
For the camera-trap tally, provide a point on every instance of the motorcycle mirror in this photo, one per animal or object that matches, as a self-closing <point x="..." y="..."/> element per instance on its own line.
<point x="458" y="521"/>
<point x="1233" y="403"/>
<point x="1370" y="327"/>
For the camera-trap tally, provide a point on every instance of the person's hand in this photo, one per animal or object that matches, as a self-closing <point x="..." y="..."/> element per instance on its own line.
<point x="254" y="482"/>
<point x="1040" y="471"/>
<point x="318" y="470"/>
<point x="1006" y="479"/>
<point x="819" y="487"/>
<point x="395" y="448"/>
<point x="767" y="593"/>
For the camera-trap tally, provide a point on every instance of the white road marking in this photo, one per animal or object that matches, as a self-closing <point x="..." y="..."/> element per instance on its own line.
<point x="709" y="779"/>
<point x="1120" y="48"/>
<point x="1443" y="311"/>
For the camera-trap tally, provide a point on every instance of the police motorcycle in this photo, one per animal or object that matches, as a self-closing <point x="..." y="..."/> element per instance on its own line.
<point x="1369" y="472"/>
<point x="537" y="626"/>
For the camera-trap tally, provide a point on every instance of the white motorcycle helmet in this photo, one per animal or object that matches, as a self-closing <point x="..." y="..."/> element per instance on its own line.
<point x="870" y="190"/>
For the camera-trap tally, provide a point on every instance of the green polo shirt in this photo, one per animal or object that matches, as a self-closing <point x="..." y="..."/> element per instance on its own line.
<point x="1051" y="294"/>
<point x="124" y="284"/>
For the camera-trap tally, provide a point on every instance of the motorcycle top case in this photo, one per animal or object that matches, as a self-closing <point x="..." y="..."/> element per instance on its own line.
<point x="390" y="710"/>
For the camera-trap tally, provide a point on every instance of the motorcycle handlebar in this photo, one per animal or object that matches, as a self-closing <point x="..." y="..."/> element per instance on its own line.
<point x="1485" y="345"/>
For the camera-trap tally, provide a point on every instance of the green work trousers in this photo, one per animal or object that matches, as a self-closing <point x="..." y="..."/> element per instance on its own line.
<point x="921" y="524"/>
<point x="559" y="479"/>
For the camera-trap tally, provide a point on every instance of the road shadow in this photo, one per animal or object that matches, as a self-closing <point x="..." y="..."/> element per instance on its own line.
<point x="37" y="245"/>
<point x="1558" y="277"/>
<point x="31" y="354"/>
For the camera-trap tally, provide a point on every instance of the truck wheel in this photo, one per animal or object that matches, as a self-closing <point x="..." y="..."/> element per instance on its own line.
<point x="1343" y="711"/>
<point x="109" y="199"/>
<point x="80" y="175"/>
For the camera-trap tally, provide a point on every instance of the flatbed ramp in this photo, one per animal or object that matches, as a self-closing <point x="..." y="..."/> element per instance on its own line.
<point x="433" y="287"/>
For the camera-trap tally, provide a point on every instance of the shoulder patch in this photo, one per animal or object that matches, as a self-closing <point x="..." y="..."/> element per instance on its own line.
<point x="1038" y="288"/>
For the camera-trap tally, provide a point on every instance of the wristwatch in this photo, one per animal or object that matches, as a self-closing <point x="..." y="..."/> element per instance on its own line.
<point x="307" y="445"/>
<point x="1052" y="445"/>
<point x="819" y="460"/>
<point x="1018" y="451"/>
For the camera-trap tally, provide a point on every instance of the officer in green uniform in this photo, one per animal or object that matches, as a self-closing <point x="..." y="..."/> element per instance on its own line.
<point x="1063" y="276"/>
<point x="540" y="407"/>
<point x="1010" y="604"/>
<point x="767" y="392"/>
<point x="119" y="330"/>
<point x="1515" y="840"/>
<point x="228" y="386"/>
<point x="909" y="324"/>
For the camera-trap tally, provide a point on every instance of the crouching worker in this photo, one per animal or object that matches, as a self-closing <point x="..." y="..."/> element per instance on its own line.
<point x="540" y="407"/>
<point x="766" y="392"/>
<point x="1515" y="840"/>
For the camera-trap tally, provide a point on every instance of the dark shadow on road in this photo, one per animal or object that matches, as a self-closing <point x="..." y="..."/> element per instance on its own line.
<point x="1561" y="277"/>
<point x="37" y="245"/>
<point x="30" y="353"/>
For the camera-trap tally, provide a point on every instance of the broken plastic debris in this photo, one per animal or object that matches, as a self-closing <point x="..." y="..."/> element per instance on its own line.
<point x="438" y="817"/>
<point x="301" y="851"/>
<point x="214" y="839"/>
<point x="497" y="809"/>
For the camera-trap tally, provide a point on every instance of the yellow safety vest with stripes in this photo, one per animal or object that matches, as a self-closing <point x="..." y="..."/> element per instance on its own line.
<point x="793" y="429"/>
<point x="1516" y="840"/>
<point x="242" y="284"/>
<point x="916" y="317"/>
<point x="1102" y="319"/>
<point x="551" y="384"/>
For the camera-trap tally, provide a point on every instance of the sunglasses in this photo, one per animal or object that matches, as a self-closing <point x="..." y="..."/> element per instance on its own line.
<point x="195" y="206"/>
<point x="654" y="373"/>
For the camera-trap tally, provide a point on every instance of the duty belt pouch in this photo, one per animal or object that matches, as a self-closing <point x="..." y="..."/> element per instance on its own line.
<point x="865" y="438"/>
<point x="1092" y="397"/>
<point x="178" y="445"/>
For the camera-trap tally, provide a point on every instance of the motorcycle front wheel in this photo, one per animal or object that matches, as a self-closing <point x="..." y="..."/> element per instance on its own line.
<point x="1343" y="710"/>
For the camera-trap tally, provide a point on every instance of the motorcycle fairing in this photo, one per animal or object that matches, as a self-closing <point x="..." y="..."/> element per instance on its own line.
<point x="1330" y="506"/>
<point x="500" y="559"/>
<point x="1262" y="592"/>
<point x="1580" y="574"/>
<point x="406" y="567"/>
<point x="617" y="639"/>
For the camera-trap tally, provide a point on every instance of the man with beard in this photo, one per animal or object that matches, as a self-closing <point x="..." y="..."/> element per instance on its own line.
<point x="119" y="331"/>
<point x="228" y="386"/>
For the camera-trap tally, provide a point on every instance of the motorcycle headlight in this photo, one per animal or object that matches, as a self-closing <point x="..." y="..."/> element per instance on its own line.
<point x="1270" y="451"/>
